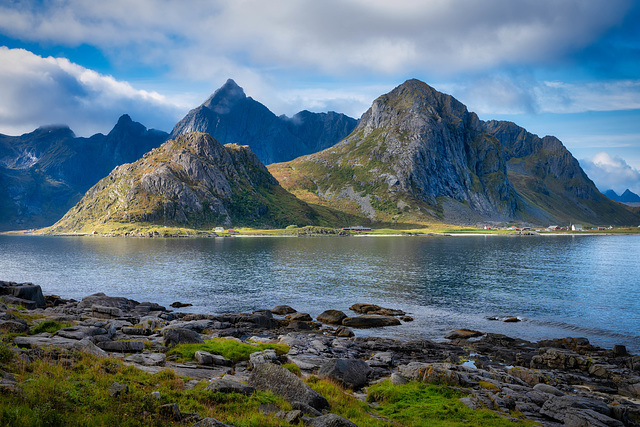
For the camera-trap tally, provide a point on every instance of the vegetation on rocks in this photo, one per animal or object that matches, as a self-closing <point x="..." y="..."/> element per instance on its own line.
<point x="228" y="348"/>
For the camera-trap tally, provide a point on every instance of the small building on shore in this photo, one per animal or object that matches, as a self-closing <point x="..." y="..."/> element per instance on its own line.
<point x="357" y="228"/>
<point x="576" y="227"/>
<point x="219" y="229"/>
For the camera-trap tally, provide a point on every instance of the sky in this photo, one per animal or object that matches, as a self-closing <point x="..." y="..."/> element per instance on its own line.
<point x="566" y="68"/>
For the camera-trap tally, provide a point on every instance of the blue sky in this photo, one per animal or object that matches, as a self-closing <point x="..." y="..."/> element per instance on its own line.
<point x="566" y="68"/>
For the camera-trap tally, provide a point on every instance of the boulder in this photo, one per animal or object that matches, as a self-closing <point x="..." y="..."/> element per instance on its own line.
<point x="170" y="411"/>
<point x="81" y="332"/>
<point x="282" y="310"/>
<point x="174" y="336"/>
<point x="549" y="389"/>
<point x="14" y="326"/>
<point x="266" y="356"/>
<point x="122" y="346"/>
<point x="9" y="299"/>
<point x="224" y="385"/>
<point x="375" y="309"/>
<point x="587" y="417"/>
<point x="147" y="359"/>
<point x="101" y="299"/>
<point x="280" y="381"/>
<point x="87" y="346"/>
<point x="343" y="331"/>
<point x="179" y="304"/>
<point x="105" y="312"/>
<point x="332" y="317"/>
<point x="206" y="358"/>
<point x="511" y="320"/>
<point x="557" y="406"/>
<point x="300" y="317"/>
<point x="463" y="334"/>
<point x="350" y="373"/>
<point x="116" y="389"/>
<point x="330" y="420"/>
<point x="24" y="291"/>
<point x="370" y="321"/>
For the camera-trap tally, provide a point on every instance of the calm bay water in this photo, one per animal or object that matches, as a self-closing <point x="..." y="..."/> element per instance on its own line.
<point x="559" y="285"/>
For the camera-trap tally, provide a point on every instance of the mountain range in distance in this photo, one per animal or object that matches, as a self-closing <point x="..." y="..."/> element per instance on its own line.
<point x="628" y="197"/>
<point x="416" y="156"/>
<point x="46" y="172"/>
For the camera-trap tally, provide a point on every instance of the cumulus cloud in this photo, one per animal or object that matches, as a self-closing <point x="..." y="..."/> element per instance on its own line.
<point x="612" y="172"/>
<point x="38" y="91"/>
<point x="337" y="36"/>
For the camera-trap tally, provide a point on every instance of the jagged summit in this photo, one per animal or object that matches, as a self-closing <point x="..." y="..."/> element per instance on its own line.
<point x="418" y="155"/>
<point x="224" y="98"/>
<point x="193" y="181"/>
<point x="232" y="117"/>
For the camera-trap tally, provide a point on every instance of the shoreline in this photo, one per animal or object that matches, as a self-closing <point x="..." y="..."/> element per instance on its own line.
<point x="545" y="381"/>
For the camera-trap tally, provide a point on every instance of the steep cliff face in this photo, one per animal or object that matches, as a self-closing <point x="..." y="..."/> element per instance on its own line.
<point x="550" y="180"/>
<point x="190" y="181"/>
<point x="416" y="154"/>
<point x="232" y="117"/>
<point x="419" y="155"/>
<point x="45" y="172"/>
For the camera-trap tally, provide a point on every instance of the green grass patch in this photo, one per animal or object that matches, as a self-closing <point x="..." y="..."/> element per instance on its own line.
<point x="229" y="348"/>
<point x="292" y="367"/>
<point x="418" y="404"/>
<point x="50" y="326"/>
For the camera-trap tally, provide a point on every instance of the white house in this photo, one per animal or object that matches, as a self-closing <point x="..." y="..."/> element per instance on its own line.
<point x="219" y="230"/>
<point x="576" y="227"/>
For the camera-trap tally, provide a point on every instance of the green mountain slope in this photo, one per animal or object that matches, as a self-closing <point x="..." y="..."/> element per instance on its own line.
<point x="420" y="156"/>
<point x="192" y="181"/>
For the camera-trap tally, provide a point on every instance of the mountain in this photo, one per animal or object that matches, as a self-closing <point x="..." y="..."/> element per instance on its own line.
<point x="627" y="197"/>
<point x="191" y="181"/>
<point x="45" y="172"/>
<point x="418" y="155"/>
<point x="232" y="117"/>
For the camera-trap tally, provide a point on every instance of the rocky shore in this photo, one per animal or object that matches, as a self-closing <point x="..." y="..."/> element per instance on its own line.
<point x="553" y="382"/>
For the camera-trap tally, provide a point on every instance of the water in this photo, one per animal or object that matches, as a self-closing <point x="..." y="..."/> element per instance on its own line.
<point x="559" y="285"/>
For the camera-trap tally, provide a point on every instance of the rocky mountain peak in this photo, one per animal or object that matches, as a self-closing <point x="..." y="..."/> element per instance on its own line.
<point x="225" y="97"/>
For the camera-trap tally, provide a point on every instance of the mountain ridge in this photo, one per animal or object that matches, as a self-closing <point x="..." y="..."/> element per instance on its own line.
<point x="420" y="155"/>
<point x="231" y="117"/>
<point x="45" y="172"/>
<point x="191" y="181"/>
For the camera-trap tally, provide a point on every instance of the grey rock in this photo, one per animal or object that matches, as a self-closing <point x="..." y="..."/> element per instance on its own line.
<point x="147" y="359"/>
<point x="351" y="373"/>
<point x="549" y="389"/>
<point x="300" y="317"/>
<point x="343" y="331"/>
<point x="278" y="380"/>
<point x="13" y="326"/>
<point x="463" y="334"/>
<point x="174" y="336"/>
<point x="332" y="317"/>
<point x="87" y="346"/>
<point x="469" y="402"/>
<point x="330" y="420"/>
<point x="306" y="409"/>
<point x="81" y="332"/>
<point x="265" y="356"/>
<point x="24" y="291"/>
<point x="282" y="310"/>
<point x="40" y="341"/>
<point x="170" y="411"/>
<point x="397" y="379"/>
<point x="116" y="389"/>
<point x="589" y="418"/>
<point x="122" y="346"/>
<point x="223" y="385"/>
<point x="102" y="300"/>
<point x="106" y="312"/>
<point x="136" y="331"/>
<point x="375" y="309"/>
<point x="293" y="417"/>
<point x="556" y="407"/>
<point x="370" y="321"/>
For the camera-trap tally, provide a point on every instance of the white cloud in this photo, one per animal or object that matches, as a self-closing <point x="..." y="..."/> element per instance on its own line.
<point x="38" y="91"/>
<point x="612" y="172"/>
<point x="335" y="36"/>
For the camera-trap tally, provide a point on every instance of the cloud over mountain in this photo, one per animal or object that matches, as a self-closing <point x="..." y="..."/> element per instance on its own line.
<point x="38" y="91"/>
<point x="612" y="172"/>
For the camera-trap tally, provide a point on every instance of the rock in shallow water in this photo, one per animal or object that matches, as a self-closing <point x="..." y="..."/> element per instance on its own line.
<point x="370" y="321"/>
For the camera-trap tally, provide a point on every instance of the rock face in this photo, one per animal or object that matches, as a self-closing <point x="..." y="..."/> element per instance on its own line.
<point x="45" y="172"/>
<point x="232" y="117"/>
<point x="193" y="181"/>
<point x="278" y="380"/>
<point x="419" y="155"/>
